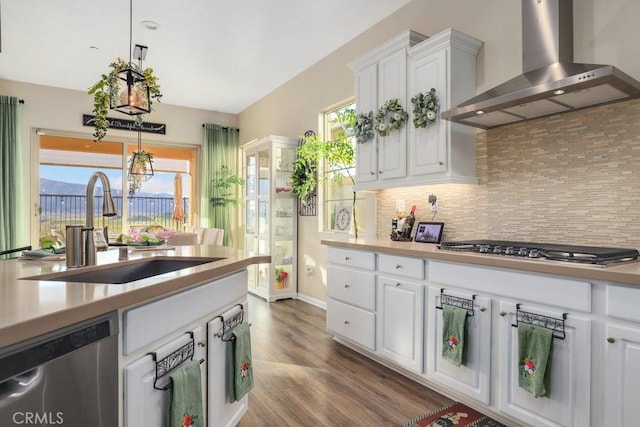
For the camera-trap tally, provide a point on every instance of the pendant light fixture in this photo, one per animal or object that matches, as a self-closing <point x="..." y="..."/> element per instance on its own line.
<point x="140" y="166"/>
<point x="131" y="85"/>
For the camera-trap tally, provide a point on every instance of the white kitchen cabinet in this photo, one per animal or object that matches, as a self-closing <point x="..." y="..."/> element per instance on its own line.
<point x="400" y="321"/>
<point x="181" y="327"/>
<point x="271" y="216"/>
<point x="381" y="75"/>
<point x="351" y="295"/>
<point x="473" y="378"/>
<point x="569" y="403"/>
<point x="621" y="357"/>
<point x="401" y="310"/>
<point x="406" y="65"/>
<point x="444" y="151"/>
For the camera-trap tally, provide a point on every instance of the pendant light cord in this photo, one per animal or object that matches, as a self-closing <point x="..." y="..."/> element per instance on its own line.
<point x="130" y="29"/>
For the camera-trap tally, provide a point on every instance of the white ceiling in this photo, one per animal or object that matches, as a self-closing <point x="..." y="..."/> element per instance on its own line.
<point x="211" y="54"/>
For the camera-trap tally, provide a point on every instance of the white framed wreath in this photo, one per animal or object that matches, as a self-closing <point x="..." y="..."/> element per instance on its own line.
<point x="425" y="108"/>
<point x="390" y="116"/>
<point x="364" y="127"/>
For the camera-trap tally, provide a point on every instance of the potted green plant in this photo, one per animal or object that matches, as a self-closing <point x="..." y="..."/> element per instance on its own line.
<point x="339" y="156"/>
<point x="104" y="92"/>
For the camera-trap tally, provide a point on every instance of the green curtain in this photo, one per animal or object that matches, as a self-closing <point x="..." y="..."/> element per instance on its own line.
<point x="13" y="216"/>
<point x="220" y="148"/>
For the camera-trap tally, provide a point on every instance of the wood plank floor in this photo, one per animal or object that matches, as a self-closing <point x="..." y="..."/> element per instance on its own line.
<point x="304" y="378"/>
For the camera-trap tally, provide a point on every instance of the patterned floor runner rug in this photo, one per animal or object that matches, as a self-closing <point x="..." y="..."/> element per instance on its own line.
<point x="454" y="415"/>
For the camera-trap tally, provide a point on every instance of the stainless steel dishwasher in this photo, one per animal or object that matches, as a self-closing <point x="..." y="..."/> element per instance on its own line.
<point x="68" y="377"/>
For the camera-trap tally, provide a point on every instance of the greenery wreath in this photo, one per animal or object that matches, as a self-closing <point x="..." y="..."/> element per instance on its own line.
<point x="364" y="127"/>
<point x="425" y="108"/>
<point x="397" y="117"/>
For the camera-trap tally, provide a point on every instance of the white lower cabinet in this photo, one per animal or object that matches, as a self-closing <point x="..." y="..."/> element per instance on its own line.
<point x="181" y="327"/>
<point x="621" y="349"/>
<point x="473" y="378"/>
<point x="400" y="321"/>
<point x="569" y="402"/>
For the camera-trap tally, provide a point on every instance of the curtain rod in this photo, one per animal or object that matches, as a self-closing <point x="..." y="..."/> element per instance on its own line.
<point x="224" y="127"/>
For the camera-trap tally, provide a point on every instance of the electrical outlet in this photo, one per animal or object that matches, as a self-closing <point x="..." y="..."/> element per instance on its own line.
<point x="310" y="272"/>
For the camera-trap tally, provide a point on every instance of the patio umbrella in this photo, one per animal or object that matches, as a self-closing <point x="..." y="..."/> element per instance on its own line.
<point x="178" y="211"/>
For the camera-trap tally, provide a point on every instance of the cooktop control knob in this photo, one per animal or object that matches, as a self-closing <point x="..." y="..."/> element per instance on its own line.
<point x="509" y="250"/>
<point x="484" y="249"/>
<point x="533" y="253"/>
<point x="523" y="252"/>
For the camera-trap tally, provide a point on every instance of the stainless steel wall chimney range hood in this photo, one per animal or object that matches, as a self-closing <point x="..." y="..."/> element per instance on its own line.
<point x="551" y="82"/>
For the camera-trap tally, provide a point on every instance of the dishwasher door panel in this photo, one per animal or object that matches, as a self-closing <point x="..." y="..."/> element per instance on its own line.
<point x="143" y="404"/>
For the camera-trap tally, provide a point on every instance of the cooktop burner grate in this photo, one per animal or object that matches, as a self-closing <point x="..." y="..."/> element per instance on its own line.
<point x="552" y="251"/>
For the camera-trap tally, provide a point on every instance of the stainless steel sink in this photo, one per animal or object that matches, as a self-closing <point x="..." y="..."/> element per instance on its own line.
<point x="125" y="273"/>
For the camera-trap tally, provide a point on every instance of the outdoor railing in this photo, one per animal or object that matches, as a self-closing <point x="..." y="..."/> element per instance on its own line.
<point x="59" y="210"/>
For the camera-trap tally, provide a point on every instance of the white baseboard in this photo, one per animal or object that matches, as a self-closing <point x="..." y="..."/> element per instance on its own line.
<point x="313" y="301"/>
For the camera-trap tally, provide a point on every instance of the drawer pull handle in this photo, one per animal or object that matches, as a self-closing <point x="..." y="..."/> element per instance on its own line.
<point x="398" y="283"/>
<point x="379" y="171"/>
<point x="503" y="313"/>
<point x="202" y="343"/>
<point x="483" y="309"/>
<point x="347" y="258"/>
<point x="346" y="322"/>
<point x="398" y="266"/>
<point x="346" y="285"/>
<point x="372" y="173"/>
<point x="611" y="340"/>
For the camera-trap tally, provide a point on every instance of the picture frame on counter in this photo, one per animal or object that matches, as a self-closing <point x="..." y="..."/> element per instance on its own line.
<point x="429" y="232"/>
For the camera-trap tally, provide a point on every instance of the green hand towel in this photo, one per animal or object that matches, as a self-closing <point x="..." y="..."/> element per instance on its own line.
<point x="185" y="408"/>
<point x="242" y="363"/>
<point x="454" y="322"/>
<point x="535" y="348"/>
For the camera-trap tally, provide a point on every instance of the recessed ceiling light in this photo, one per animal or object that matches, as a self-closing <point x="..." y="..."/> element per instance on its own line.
<point x="559" y="92"/>
<point x="150" y="25"/>
<point x="480" y="112"/>
<point x="94" y="48"/>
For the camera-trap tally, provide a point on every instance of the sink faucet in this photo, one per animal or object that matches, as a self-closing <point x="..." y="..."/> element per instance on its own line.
<point x="108" y="209"/>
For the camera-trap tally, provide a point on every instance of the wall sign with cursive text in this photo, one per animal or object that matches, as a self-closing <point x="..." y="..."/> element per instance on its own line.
<point x="161" y="128"/>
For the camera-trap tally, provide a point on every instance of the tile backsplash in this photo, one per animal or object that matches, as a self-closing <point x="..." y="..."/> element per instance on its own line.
<point x="572" y="178"/>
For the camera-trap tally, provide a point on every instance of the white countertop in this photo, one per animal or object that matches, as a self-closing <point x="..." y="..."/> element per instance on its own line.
<point x="29" y="308"/>
<point x="626" y="273"/>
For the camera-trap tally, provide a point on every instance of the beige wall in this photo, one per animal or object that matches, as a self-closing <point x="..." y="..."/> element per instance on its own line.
<point x="604" y="32"/>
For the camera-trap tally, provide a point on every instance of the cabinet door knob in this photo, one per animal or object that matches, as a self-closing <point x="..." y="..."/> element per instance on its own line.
<point x="398" y="266"/>
<point x="483" y="309"/>
<point x="347" y="258"/>
<point x="346" y="285"/>
<point x="379" y="171"/>
<point x="346" y="322"/>
<point x="372" y="173"/>
<point x="202" y="343"/>
<point x="397" y="283"/>
<point x="503" y="313"/>
<point x="611" y="340"/>
<point x="441" y="163"/>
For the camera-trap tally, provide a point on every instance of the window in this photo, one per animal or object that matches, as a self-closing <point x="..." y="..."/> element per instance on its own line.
<point x="66" y="164"/>
<point x="338" y="195"/>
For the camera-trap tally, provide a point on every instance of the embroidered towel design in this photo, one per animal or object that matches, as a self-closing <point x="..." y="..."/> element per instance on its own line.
<point x="535" y="347"/>
<point x="242" y="363"/>
<point x="185" y="408"/>
<point x="454" y="322"/>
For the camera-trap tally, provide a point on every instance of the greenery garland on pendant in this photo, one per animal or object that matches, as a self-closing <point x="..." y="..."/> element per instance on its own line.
<point x="425" y="108"/>
<point x="363" y="128"/>
<point x="397" y="117"/>
<point x="105" y="90"/>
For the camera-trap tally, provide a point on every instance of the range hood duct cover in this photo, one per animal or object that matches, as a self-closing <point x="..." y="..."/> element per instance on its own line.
<point x="551" y="83"/>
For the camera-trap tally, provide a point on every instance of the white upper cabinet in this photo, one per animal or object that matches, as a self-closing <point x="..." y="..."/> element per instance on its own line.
<point x="403" y="67"/>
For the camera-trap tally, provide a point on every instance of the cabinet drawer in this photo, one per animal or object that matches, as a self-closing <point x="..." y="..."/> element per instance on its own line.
<point x="352" y="323"/>
<point x="352" y="286"/>
<point x="351" y="258"/>
<point x="403" y="266"/>
<point x="150" y="322"/>
<point x="622" y="302"/>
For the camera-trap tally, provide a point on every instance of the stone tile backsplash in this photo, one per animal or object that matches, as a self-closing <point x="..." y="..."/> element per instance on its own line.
<point x="571" y="178"/>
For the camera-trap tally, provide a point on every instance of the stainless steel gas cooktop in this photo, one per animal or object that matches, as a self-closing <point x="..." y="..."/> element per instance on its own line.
<point x="552" y="251"/>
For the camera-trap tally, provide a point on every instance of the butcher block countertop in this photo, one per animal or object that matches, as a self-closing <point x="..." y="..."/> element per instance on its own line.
<point x="29" y="308"/>
<point x="626" y="273"/>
